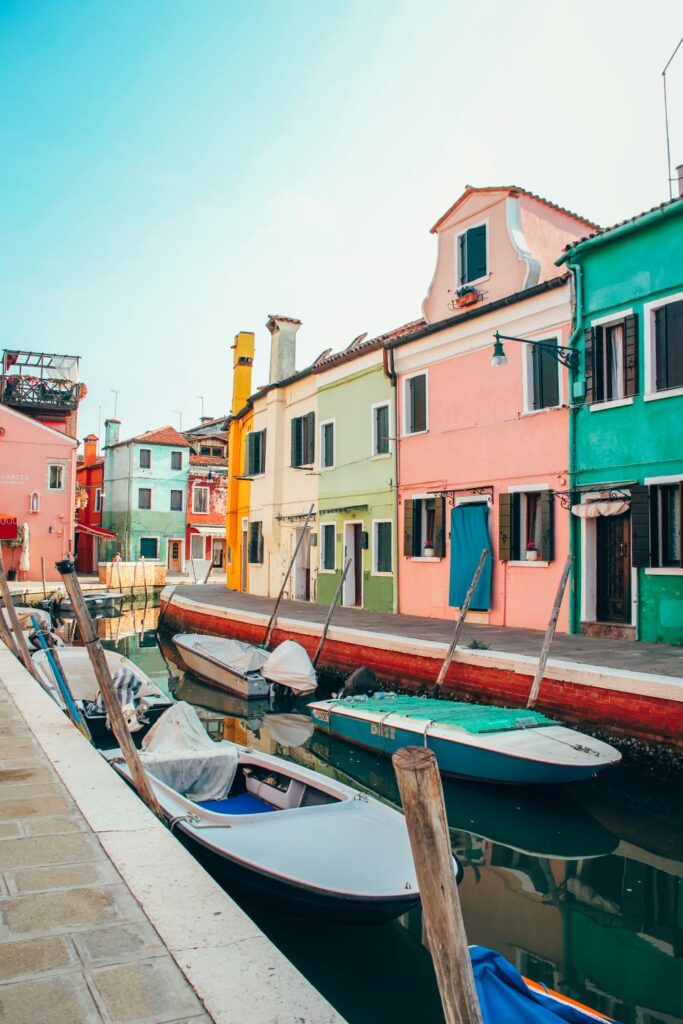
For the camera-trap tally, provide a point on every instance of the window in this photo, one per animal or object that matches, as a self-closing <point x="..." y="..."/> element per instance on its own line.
<point x="255" y="454"/>
<point x="328" y="548"/>
<point x="382" y="547"/>
<point x="98" y="499"/>
<point x="176" y="460"/>
<point x="472" y="255"/>
<point x="55" y="477"/>
<point x="145" y="458"/>
<point x="200" y="499"/>
<point x="380" y="429"/>
<point x="149" y="547"/>
<point x="525" y="523"/>
<point x="415" y="396"/>
<point x="197" y="544"/>
<point x="206" y="449"/>
<point x="144" y="497"/>
<point x="327" y="445"/>
<point x="668" y="346"/>
<point x="666" y="516"/>
<point x="303" y="440"/>
<point x="255" y="553"/>
<point x="424" y="527"/>
<point x="611" y="360"/>
<point x="176" y="501"/>
<point x="545" y="377"/>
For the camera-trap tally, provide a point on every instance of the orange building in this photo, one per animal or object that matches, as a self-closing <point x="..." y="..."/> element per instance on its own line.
<point x="90" y="488"/>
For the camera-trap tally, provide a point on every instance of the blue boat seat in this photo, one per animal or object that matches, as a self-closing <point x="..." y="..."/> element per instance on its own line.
<point x="245" y="803"/>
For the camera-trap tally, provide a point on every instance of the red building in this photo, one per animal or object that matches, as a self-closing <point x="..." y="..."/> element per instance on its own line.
<point x="90" y="480"/>
<point x="206" y="500"/>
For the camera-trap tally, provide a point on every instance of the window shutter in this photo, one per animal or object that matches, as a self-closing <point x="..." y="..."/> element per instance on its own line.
<point x="631" y="355"/>
<point x="463" y="259"/>
<point x="599" y="389"/>
<point x="309" y="454"/>
<point x="505" y="527"/>
<point x="589" y="363"/>
<point x="476" y="253"/>
<point x="251" y="547"/>
<point x="418" y="404"/>
<point x="439" y="533"/>
<point x="640" y="526"/>
<point x="547" y="527"/>
<point x="297" y="441"/>
<point x="262" y="459"/>
<point x="408" y="508"/>
<point x="248" y="454"/>
<point x="660" y="348"/>
<point x="259" y="544"/>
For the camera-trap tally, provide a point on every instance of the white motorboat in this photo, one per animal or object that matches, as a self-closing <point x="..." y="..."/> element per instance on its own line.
<point x="246" y="670"/>
<point x="81" y="679"/>
<point x="279" y="829"/>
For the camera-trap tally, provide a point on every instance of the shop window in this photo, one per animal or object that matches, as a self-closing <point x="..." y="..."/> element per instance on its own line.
<point x="197" y="543"/>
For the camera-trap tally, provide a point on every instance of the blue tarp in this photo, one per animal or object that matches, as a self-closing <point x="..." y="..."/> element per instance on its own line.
<point x="505" y="999"/>
<point x="469" y="534"/>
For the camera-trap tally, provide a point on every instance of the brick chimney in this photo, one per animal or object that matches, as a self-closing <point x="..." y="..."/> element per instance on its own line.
<point x="111" y="432"/>
<point x="90" y="449"/>
<point x="283" y="331"/>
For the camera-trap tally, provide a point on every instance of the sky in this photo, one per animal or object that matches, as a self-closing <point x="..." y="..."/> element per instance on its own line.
<point x="174" y="171"/>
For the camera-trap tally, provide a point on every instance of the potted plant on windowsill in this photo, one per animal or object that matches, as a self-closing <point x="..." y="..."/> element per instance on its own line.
<point x="428" y="552"/>
<point x="531" y="552"/>
<point x="467" y="295"/>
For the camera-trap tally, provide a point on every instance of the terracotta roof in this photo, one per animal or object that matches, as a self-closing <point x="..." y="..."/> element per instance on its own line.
<point x="208" y="460"/>
<point x="472" y="189"/>
<point x="622" y="223"/>
<point x="163" y="435"/>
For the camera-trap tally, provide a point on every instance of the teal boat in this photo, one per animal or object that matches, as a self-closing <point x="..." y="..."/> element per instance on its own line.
<point x="472" y="741"/>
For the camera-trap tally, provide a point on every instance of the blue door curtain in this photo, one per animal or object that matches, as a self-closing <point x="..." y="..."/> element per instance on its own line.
<point x="469" y="534"/>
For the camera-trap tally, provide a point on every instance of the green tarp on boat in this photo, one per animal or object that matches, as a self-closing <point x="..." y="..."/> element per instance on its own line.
<point x="474" y="718"/>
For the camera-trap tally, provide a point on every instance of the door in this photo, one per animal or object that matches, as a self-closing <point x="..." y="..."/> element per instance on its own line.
<point x="302" y="567"/>
<point x="353" y="584"/>
<point x="218" y="554"/>
<point x="175" y="555"/>
<point x="614" y="568"/>
<point x="243" y="566"/>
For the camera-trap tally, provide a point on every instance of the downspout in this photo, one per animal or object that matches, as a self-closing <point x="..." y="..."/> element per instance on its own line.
<point x="128" y="554"/>
<point x="577" y="278"/>
<point x="390" y="371"/>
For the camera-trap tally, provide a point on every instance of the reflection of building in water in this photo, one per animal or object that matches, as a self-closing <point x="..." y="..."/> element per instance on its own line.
<point x="131" y="621"/>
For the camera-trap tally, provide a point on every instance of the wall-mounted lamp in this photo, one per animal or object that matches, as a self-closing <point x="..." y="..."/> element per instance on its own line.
<point x="567" y="356"/>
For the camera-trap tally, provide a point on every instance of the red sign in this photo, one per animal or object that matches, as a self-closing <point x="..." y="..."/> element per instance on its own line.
<point x="8" y="527"/>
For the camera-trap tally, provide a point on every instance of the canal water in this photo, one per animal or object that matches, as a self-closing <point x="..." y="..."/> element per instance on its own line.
<point x="579" y="887"/>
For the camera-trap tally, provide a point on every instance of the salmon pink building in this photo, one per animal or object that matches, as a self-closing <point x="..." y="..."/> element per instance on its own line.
<point x="207" y="488"/>
<point x="483" y="449"/>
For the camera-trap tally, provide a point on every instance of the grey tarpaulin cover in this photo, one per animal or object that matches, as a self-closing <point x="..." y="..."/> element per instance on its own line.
<point x="238" y="655"/>
<point x="290" y="665"/>
<point x="178" y="752"/>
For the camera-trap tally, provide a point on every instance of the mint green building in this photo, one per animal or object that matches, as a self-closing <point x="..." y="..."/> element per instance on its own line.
<point x="626" y="440"/>
<point x="145" y="494"/>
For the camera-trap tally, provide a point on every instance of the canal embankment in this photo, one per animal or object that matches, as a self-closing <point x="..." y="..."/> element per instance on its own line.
<point x="632" y="692"/>
<point x="104" y="915"/>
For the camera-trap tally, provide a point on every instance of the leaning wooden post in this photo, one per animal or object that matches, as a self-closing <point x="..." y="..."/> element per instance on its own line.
<point x="42" y="573"/>
<point x="7" y="637"/>
<point x="118" y="573"/>
<point x="144" y="577"/>
<point x="460" y="622"/>
<point x="19" y="646"/>
<point x="419" y="784"/>
<point x="271" y="622"/>
<point x="208" y="572"/>
<point x="549" y="634"/>
<point x="132" y="586"/>
<point x="328" y="619"/>
<point x="93" y="646"/>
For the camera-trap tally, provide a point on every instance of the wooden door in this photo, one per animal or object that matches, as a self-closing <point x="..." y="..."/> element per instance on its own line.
<point x="175" y="555"/>
<point x="614" y="568"/>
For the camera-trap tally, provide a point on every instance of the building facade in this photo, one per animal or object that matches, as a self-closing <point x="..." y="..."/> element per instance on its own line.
<point x="89" y="530"/>
<point x="206" y="509"/>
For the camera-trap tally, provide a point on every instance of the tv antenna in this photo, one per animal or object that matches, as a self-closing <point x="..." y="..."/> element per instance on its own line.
<point x="666" y="120"/>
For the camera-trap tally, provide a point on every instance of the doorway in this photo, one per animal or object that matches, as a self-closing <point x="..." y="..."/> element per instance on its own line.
<point x="353" y="584"/>
<point x="218" y="554"/>
<point x="613" y="569"/>
<point x="302" y="566"/>
<point x="245" y="556"/>
<point x="175" y="555"/>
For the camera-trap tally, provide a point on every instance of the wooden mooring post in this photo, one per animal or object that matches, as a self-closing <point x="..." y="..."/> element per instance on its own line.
<point x="15" y="634"/>
<point x="98" y="661"/>
<point x="330" y="612"/>
<point x="460" y="623"/>
<point x="549" y="634"/>
<point x="421" y="792"/>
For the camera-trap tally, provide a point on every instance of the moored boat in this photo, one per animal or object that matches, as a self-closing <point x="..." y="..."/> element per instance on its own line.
<point x="470" y="740"/>
<point x="244" y="669"/>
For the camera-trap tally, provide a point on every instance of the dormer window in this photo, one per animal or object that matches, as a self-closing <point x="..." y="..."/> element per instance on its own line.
<point x="472" y="255"/>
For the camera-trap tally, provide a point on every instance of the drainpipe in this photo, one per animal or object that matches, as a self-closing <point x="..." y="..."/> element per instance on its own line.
<point x="390" y="371"/>
<point x="577" y="277"/>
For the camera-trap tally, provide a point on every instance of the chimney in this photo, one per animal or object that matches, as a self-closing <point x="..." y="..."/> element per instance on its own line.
<point x="111" y="432"/>
<point x="90" y="449"/>
<point x="679" y="172"/>
<point x="242" y="362"/>
<point x="283" y="330"/>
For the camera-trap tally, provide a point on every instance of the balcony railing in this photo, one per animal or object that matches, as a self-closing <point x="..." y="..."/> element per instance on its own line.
<point x="32" y="392"/>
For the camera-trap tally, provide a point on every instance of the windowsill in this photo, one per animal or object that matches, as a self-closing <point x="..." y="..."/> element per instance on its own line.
<point x="654" y="396"/>
<point x="541" y="412"/>
<point x="385" y="574"/>
<point x="426" y="558"/>
<point x="671" y="570"/>
<point x="615" y="403"/>
<point x="326" y="572"/>
<point x="384" y="455"/>
<point x="198" y="512"/>
<point x="414" y="433"/>
<point x="536" y="564"/>
<point x="326" y="469"/>
<point x="477" y="280"/>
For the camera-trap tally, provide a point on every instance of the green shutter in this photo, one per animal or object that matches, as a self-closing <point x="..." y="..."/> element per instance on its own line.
<point x="589" y="363"/>
<point x="661" y="369"/>
<point x="640" y="526"/>
<point x="297" y="441"/>
<point x="439" y="531"/>
<point x="418" y="403"/>
<point x="505" y="527"/>
<point x="408" y="508"/>
<point x="259" y="543"/>
<point x="631" y="355"/>
<point x="383" y="547"/>
<point x="476" y="253"/>
<point x="547" y="527"/>
<point x="309" y="453"/>
<point x="382" y="430"/>
<point x="248" y="454"/>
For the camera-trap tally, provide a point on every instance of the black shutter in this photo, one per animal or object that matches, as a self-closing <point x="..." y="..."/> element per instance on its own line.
<point x="251" y="552"/>
<point x="297" y="441"/>
<point x="408" y="507"/>
<point x="476" y="253"/>
<point x="262" y="461"/>
<point x="547" y="526"/>
<point x="654" y="526"/>
<point x="248" y="454"/>
<point x="418" y="403"/>
<point x="463" y="259"/>
<point x="599" y="388"/>
<point x="309" y="451"/>
<point x="640" y="526"/>
<point x="589" y="363"/>
<point x="674" y="344"/>
<point x="661" y="368"/>
<point x="439" y="532"/>
<point x="631" y="355"/>
<point x="259" y="544"/>
<point x="505" y="527"/>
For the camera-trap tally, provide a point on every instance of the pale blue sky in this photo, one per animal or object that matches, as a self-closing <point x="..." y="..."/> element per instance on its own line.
<point x="172" y="171"/>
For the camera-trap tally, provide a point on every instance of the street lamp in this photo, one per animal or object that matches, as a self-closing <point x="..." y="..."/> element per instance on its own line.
<point x="567" y="356"/>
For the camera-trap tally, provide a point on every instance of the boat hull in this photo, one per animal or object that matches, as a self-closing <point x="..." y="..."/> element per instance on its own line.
<point x="249" y="687"/>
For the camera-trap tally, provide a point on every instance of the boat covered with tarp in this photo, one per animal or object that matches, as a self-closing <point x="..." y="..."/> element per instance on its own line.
<point x="476" y="741"/>
<point x="244" y="669"/>
<point x="279" y="830"/>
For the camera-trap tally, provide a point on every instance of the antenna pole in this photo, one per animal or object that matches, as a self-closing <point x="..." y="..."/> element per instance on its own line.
<point x="666" y="120"/>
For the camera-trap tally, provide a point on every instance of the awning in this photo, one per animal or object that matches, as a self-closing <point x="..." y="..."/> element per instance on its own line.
<point x="8" y="527"/>
<point x="208" y="531"/>
<point x="593" y="509"/>
<point x="95" y="531"/>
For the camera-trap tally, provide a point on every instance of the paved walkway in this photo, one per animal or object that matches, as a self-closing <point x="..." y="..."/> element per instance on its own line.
<point x="76" y="946"/>
<point x="660" y="659"/>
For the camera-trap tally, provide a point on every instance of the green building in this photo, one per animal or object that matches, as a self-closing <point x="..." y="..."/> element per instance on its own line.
<point x="626" y="441"/>
<point x="145" y="493"/>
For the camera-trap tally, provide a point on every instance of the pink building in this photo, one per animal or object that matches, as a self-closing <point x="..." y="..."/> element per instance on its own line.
<point x="483" y="449"/>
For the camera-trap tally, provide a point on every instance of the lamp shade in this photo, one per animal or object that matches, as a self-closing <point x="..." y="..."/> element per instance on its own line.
<point x="499" y="358"/>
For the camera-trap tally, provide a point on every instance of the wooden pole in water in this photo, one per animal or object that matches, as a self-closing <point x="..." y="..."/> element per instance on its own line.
<point x="208" y="572"/>
<point x="42" y="573"/>
<point x="118" y="574"/>
<point x="419" y="784"/>
<point x="271" y="623"/>
<point x="144" y="577"/>
<point x="330" y="611"/>
<point x="549" y="634"/>
<point x="106" y="685"/>
<point x="135" y="574"/>
<point x="19" y="646"/>
<point x="7" y="636"/>
<point x="460" y="622"/>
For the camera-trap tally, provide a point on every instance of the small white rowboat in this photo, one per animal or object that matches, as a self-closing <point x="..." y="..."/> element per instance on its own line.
<point x="246" y="670"/>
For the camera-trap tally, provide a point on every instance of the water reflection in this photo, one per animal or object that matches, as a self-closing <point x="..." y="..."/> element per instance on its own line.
<point x="580" y="887"/>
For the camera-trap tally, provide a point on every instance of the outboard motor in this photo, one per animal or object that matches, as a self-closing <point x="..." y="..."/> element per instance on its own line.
<point x="363" y="680"/>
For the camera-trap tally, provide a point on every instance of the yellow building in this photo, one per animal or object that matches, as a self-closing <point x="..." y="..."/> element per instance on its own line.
<point x="239" y="490"/>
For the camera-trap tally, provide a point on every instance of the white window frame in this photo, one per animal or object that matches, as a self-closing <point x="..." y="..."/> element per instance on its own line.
<point x="62" y="467"/>
<point x="426" y="558"/>
<point x="611" y="321"/>
<point x="321" y="547"/>
<point x="650" y="393"/>
<point x="201" y="487"/>
<point x="525" y="489"/>
<point x="98" y="499"/>
<point x="406" y="404"/>
<point x="375" y="547"/>
<point x="374" y="454"/>
<point x="193" y="538"/>
<point x="528" y="376"/>
<point x="663" y="570"/>
<point x="323" y="424"/>
<point x="467" y="284"/>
